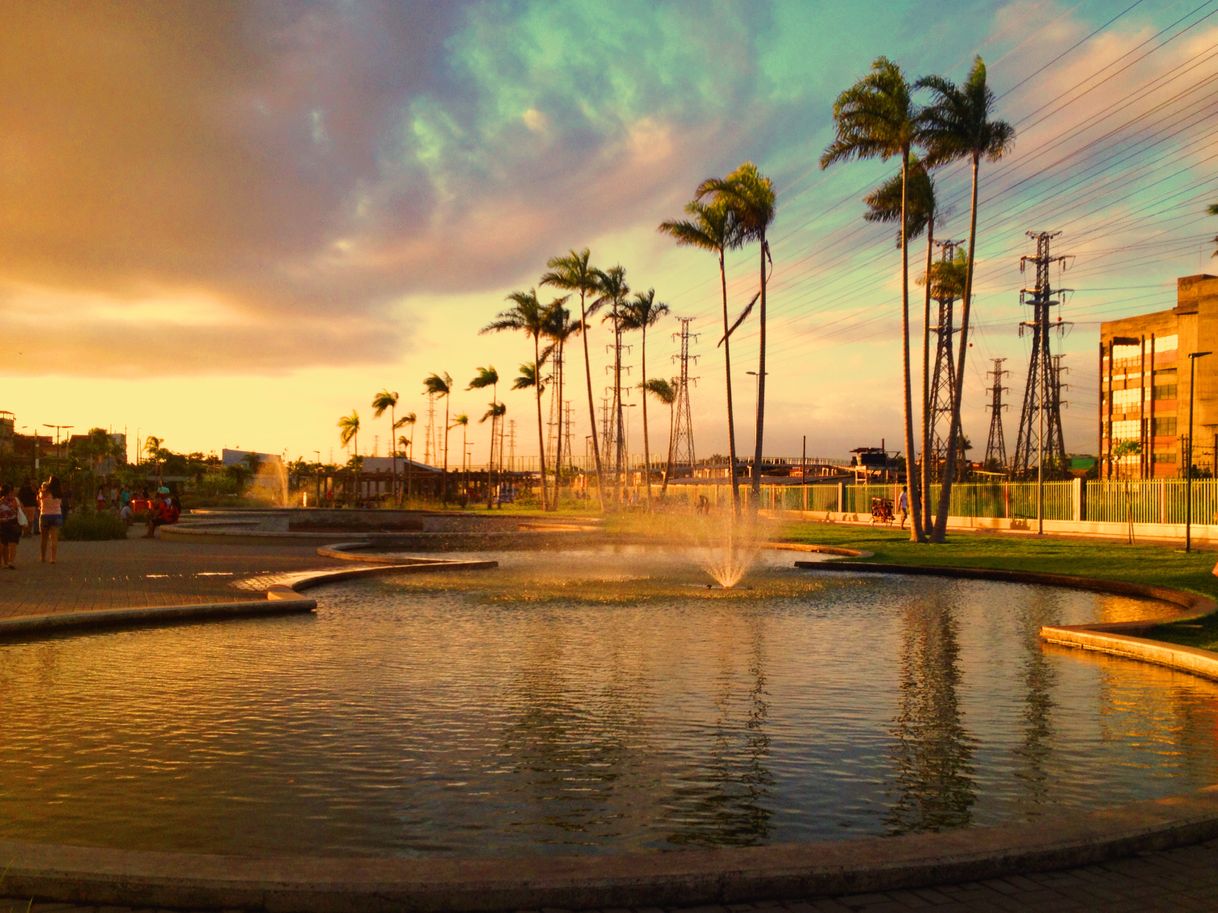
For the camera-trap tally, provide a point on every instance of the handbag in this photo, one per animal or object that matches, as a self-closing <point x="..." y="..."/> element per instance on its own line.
<point x="22" y="519"/>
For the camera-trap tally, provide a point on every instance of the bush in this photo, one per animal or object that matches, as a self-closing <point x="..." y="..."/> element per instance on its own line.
<point x="88" y="525"/>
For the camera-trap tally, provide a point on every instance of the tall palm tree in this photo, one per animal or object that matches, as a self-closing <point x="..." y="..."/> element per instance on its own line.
<point x="612" y="288"/>
<point x="641" y="312"/>
<point x="348" y="433"/>
<point x="884" y="205"/>
<point x="441" y="385"/>
<point x="573" y="273"/>
<point x="408" y="419"/>
<point x="559" y="327"/>
<point x="666" y="393"/>
<point x="877" y="118"/>
<point x="462" y="420"/>
<point x="959" y="124"/>
<point x="488" y="377"/>
<point x="714" y="227"/>
<point x="527" y="314"/>
<point x="750" y="195"/>
<point x="382" y="401"/>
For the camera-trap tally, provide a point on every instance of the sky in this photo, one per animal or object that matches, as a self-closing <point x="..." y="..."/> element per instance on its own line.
<point x="227" y="225"/>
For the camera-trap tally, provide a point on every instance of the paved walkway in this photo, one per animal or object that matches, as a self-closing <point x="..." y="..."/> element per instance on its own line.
<point x="141" y="572"/>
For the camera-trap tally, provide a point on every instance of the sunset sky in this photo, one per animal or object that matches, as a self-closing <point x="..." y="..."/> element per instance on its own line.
<point x="227" y="224"/>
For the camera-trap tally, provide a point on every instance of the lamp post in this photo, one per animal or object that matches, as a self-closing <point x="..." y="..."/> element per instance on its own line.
<point x="1188" y="485"/>
<point x="59" y="428"/>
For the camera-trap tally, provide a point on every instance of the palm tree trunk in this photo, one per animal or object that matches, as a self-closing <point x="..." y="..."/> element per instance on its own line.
<point x="561" y="370"/>
<point x="953" y="438"/>
<point x="596" y="447"/>
<point x="619" y="449"/>
<point x="490" y="463"/>
<point x="541" y="438"/>
<point x="646" y="440"/>
<point x="410" y="467"/>
<point x="731" y="419"/>
<point x="757" y="449"/>
<point x="393" y="456"/>
<point x="444" y="487"/>
<point x="927" y="418"/>
<point x="915" y="526"/>
<point x="671" y="444"/>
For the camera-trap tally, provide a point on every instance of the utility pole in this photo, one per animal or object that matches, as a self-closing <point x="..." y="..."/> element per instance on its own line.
<point x="996" y="445"/>
<point x="1040" y="436"/>
<point x="682" y="443"/>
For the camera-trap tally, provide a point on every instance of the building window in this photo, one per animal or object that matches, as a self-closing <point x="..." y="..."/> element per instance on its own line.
<point x="1164" y="426"/>
<point x="1127" y="430"/>
<point x="1127" y="400"/>
<point x="1165" y="458"/>
<point x="1167" y="343"/>
<point x="1166" y="391"/>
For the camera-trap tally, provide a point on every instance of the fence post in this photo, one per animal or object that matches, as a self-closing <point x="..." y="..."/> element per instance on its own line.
<point x="841" y="497"/>
<point x="1080" y="500"/>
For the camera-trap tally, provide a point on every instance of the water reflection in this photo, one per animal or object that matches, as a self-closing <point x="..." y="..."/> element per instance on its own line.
<point x="933" y="787"/>
<point x="1038" y="680"/>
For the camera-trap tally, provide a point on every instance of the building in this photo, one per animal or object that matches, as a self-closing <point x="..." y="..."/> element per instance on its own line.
<point x="1144" y="387"/>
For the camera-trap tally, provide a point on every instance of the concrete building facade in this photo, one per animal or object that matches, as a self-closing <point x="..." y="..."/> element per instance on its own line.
<point x="1145" y="388"/>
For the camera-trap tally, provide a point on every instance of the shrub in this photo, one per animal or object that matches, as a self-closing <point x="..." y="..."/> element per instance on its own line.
<point x="88" y="525"/>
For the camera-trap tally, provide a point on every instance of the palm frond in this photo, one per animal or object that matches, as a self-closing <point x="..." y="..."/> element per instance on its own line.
<point x="739" y="320"/>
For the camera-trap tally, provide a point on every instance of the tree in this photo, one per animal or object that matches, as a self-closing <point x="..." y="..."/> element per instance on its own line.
<point x="382" y="401"/>
<point x="666" y="393"/>
<point x="489" y="377"/>
<point x="714" y="227"/>
<point x="463" y="421"/>
<point x="528" y="315"/>
<point x="408" y="419"/>
<point x="441" y="385"/>
<point x="348" y="433"/>
<point x="559" y="327"/>
<point x="959" y="124"/>
<point x="877" y="118"/>
<point x="1213" y="211"/>
<point x="572" y="273"/>
<point x="884" y="205"/>
<point x="495" y="413"/>
<point x="612" y="288"/>
<point x="641" y="312"/>
<point x="750" y="195"/>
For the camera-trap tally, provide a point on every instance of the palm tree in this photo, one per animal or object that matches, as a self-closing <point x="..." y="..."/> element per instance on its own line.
<point x="441" y="385"/>
<point x="495" y="413"/>
<point x="612" y="287"/>
<point x="382" y="401"/>
<point x="528" y="314"/>
<point x="958" y="125"/>
<point x="348" y="433"/>
<point x="666" y="393"/>
<point x="1213" y="211"/>
<point x="644" y="311"/>
<point x="488" y="377"/>
<point x="876" y="118"/>
<point x="884" y="205"/>
<point x="463" y="421"/>
<point x="573" y="274"/>
<point x="559" y="327"/>
<point x="750" y="195"/>
<point x="408" y="419"/>
<point x="714" y="227"/>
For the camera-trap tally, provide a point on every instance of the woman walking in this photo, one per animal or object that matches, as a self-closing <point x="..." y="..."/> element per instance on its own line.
<point x="11" y="514"/>
<point x="50" y="515"/>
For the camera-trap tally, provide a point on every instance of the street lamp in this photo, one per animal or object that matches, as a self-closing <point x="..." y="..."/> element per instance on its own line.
<point x="1188" y="485"/>
<point x="59" y="428"/>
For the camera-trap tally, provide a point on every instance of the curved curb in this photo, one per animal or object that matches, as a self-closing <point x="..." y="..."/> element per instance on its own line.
<point x="684" y="877"/>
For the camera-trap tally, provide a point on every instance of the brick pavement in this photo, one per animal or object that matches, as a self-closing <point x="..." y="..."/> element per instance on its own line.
<point x="140" y="572"/>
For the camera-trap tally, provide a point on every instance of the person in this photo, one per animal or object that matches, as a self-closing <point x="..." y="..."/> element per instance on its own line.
<point x="50" y="516"/>
<point x="29" y="503"/>
<point x="10" y="526"/>
<point x="101" y="500"/>
<point x="162" y="511"/>
<point x="903" y="506"/>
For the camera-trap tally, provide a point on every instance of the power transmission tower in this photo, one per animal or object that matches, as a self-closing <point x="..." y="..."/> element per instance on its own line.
<point x="512" y="445"/>
<point x="566" y="436"/>
<point x="996" y="445"/>
<point x="431" y="426"/>
<point x="943" y="378"/>
<point x="1040" y="421"/>
<point x="681" y="441"/>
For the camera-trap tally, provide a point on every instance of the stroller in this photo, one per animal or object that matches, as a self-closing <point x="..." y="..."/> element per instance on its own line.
<point x="881" y="510"/>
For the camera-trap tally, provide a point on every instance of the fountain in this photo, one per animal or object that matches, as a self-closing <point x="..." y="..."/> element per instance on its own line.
<point x="270" y="482"/>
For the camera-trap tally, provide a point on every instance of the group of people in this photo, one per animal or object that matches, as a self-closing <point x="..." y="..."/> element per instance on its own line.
<point x="24" y="511"/>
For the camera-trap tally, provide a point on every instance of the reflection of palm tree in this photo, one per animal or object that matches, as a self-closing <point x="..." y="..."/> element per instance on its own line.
<point x="382" y="401"/>
<point x="528" y="314"/>
<point x="714" y="227"/>
<point x="441" y="385"/>
<point x="876" y="118"/>
<point x="348" y="433"/>
<point x="667" y="394"/>
<point x="408" y="419"/>
<point x="958" y="125"/>
<point x="644" y="311"/>
<point x="750" y="195"/>
<point x="572" y="273"/>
